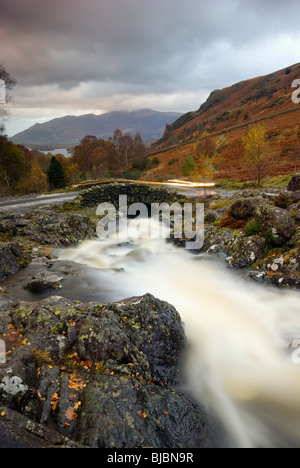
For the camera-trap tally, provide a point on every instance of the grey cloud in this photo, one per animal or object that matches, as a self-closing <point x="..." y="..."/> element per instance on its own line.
<point x="143" y="48"/>
<point x="129" y="41"/>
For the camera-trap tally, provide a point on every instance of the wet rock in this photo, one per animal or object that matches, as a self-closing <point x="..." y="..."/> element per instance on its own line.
<point x="104" y="374"/>
<point x="244" y="251"/>
<point x="11" y="259"/>
<point x="216" y="241"/>
<point x="43" y="281"/>
<point x="17" y="431"/>
<point x="276" y="224"/>
<point x="48" y="227"/>
<point x="286" y="281"/>
<point x="145" y="416"/>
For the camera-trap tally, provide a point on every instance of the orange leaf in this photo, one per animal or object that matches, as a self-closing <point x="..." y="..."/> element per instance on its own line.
<point x="54" y="401"/>
<point x="70" y="414"/>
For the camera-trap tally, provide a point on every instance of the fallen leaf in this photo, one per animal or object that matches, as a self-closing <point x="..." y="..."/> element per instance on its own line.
<point x="54" y="401"/>
<point x="70" y="414"/>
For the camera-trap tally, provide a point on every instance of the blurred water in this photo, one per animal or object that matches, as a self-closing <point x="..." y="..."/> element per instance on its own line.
<point x="239" y="364"/>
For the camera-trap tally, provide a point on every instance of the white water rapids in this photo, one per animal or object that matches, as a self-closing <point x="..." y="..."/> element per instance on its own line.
<point x="239" y="363"/>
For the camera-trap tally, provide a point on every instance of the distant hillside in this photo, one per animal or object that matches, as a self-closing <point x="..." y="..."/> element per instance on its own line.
<point x="70" y="130"/>
<point x="226" y="116"/>
<point x="240" y="104"/>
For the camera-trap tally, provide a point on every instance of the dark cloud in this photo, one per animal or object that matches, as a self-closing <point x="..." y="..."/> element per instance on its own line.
<point x="139" y="47"/>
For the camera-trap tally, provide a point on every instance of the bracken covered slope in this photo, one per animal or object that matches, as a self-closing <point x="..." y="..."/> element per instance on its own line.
<point x="227" y="115"/>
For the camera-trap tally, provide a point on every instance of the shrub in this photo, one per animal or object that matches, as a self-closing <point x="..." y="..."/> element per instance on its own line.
<point x="229" y="222"/>
<point x="141" y="165"/>
<point x="131" y="174"/>
<point x="173" y="161"/>
<point x="188" y="166"/>
<point x="155" y="162"/>
<point x="253" y="228"/>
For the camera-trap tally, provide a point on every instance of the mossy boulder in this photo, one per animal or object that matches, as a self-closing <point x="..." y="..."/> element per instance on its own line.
<point x="245" y="208"/>
<point x="245" y="251"/>
<point x="277" y="225"/>
<point x="103" y="375"/>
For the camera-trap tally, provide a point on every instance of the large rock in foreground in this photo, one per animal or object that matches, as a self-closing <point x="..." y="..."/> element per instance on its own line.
<point x="103" y="374"/>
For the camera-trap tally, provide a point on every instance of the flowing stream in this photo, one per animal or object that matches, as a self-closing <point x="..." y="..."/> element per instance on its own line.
<point x="239" y="363"/>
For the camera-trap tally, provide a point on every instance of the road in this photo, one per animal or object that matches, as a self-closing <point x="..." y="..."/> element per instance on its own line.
<point x="29" y="202"/>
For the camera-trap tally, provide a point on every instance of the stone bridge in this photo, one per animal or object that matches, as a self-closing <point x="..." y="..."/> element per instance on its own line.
<point x="136" y="193"/>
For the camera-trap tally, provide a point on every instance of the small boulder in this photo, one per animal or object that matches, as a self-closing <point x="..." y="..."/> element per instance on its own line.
<point x="294" y="184"/>
<point x="246" y="250"/>
<point x="43" y="281"/>
<point x="11" y="259"/>
<point x="244" y="208"/>
<point x="210" y="217"/>
<point x="276" y="224"/>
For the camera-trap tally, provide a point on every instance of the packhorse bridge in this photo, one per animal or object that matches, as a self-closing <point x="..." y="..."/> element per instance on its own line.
<point x="135" y="192"/>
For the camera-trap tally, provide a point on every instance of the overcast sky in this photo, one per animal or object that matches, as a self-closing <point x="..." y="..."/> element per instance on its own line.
<point x="82" y="56"/>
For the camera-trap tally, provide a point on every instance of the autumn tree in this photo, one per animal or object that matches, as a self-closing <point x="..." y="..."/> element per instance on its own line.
<point x="127" y="147"/>
<point x="12" y="165"/>
<point x="257" y="153"/>
<point x="7" y="83"/>
<point x="95" y="157"/>
<point x="139" y="148"/>
<point x="44" y="161"/>
<point x="35" y="182"/>
<point x="71" y="170"/>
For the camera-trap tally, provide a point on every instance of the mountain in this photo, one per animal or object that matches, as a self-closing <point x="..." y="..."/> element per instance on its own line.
<point x="70" y="130"/>
<point x="227" y="115"/>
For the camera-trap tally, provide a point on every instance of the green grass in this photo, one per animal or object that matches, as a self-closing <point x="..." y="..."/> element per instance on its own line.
<point x="229" y="184"/>
<point x="270" y="181"/>
<point x="253" y="228"/>
<point x="278" y="181"/>
<point x="222" y="203"/>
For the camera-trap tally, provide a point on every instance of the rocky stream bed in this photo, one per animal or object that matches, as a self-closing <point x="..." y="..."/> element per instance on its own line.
<point x="111" y="375"/>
